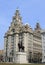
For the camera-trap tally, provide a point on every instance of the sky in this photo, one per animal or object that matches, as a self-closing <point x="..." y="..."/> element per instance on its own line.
<point x="32" y="11"/>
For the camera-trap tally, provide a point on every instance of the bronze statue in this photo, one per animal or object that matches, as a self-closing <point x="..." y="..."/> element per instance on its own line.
<point x="21" y="47"/>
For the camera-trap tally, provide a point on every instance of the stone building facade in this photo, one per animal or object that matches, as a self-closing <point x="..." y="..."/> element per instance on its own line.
<point x="20" y="34"/>
<point x="37" y="44"/>
<point x="1" y="55"/>
<point x="43" y="45"/>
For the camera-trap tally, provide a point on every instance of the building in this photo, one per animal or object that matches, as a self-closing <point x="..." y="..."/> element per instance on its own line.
<point x="37" y="44"/>
<point x="43" y="46"/>
<point x="1" y="55"/>
<point x="22" y="38"/>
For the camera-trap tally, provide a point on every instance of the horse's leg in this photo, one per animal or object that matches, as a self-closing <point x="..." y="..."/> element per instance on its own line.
<point x="19" y="49"/>
<point x="23" y="48"/>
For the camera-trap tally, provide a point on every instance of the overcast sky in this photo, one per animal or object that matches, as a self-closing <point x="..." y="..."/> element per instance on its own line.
<point x="32" y="11"/>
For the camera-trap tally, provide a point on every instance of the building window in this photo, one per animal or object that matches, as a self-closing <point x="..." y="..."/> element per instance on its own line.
<point x="13" y="30"/>
<point x="20" y="38"/>
<point x="44" y="51"/>
<point x="12" y="44"/>
<point x="12" y="52"/>
<point x="6" y="45"/>
<point x="12" y="39"/>
<point x="44" y="56"/>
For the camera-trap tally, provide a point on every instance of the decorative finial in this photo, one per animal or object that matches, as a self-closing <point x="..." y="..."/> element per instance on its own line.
<point x="37" y="25"/>
<point x="17" y="8"/>
<point x="17" y="11"/>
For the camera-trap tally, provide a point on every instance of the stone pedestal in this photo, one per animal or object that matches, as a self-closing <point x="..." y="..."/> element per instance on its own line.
<point x="21" y="57"/>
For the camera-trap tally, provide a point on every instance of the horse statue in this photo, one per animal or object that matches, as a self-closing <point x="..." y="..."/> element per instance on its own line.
<point x="21" y="47"/>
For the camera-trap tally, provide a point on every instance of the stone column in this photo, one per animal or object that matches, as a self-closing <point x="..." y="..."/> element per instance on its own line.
<point x="43" y="48"/>
<point x="30" y="47"/>
<point x="32" y="44"/>
<point x="25" y="41"/>
<point x="16" y="41"/>
<point x="5" y="40"/>
<point x="9" y="45"/>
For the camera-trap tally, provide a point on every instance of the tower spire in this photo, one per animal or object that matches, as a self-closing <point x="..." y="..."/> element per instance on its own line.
<point x="17" y="19"/>
<point x="17" y="12"/>
<point x="38" y="26"/>
<point x="17" y="15"/>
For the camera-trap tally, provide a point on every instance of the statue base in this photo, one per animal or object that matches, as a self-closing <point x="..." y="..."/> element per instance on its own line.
<point x="21" y="57"/>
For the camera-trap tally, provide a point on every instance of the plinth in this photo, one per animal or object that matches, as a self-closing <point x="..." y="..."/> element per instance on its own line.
<point x="21" y="57"/>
